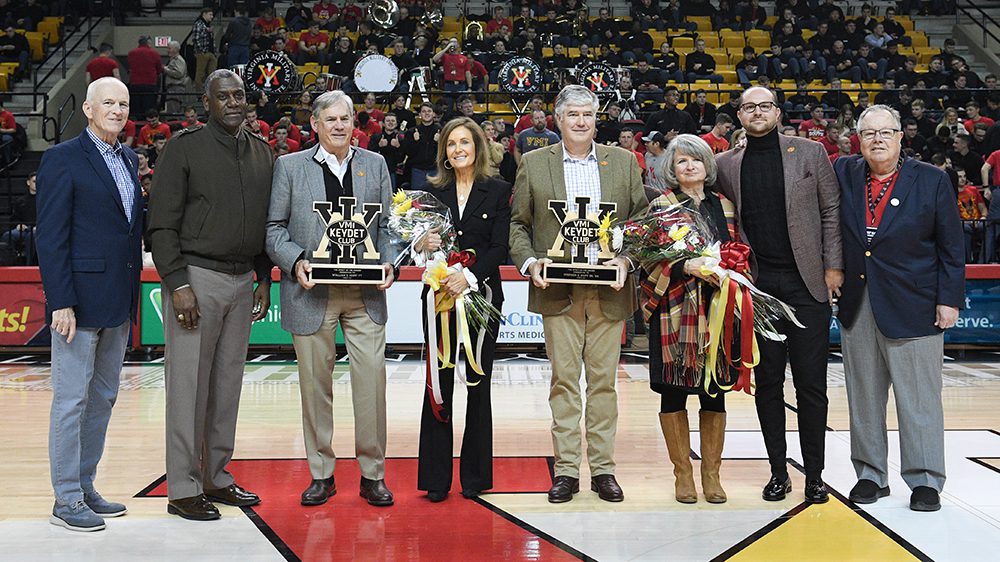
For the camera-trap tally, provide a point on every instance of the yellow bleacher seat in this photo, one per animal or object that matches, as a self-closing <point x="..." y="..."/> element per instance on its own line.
<point x="871" y="86"/>
<point x="734" y="41"/>
<point x="921" y="68"/>
<point x="50" y="30"/>
<point x="728" y="77"/>
<point x="721" y="57"/>
<point x="659" y="37"/>
<point x="906" y="22"/>
<point x="4" y="81"/>
<point x="771" y="20"/>
<point x="573" y="52"/>
<point x="760" y="43"/>
<point x="704" y="23"/>
<point x="711" y="41"/>
<point x="919" y="38"/>
<point x="547" y="52"/>
<point x="807" y="33"/>
<point x="925" y="54"/>
<point x="36" y="42"/>
<point x="685" y="43"/>
<point x="451" y="24"/>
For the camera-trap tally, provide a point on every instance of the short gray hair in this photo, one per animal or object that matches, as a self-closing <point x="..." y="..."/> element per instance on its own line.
<point x="575" y="95"/>
<point x="330" y="99"/>
<point x="693" y="146"/>
<point x="174" y="44"/>
<point x="218" y="75"/>
<point x="883" y="108"/>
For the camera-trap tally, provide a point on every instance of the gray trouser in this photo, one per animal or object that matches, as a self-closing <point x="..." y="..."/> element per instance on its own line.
<point x="912" y="366"/>
<point x="204" y="376"/>
<point x="85" y="375"/>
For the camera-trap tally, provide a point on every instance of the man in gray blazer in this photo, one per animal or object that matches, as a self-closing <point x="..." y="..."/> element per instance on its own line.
<point x="788" y="202"/>
<point x="333" y="169"/>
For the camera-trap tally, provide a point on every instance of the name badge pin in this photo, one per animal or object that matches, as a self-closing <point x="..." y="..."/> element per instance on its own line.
<point x="894" y="202"/>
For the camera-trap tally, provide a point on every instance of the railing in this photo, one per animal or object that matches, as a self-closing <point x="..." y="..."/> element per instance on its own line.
<point x="978" y="16"/>
<point x="61" y="125"/>
<point x="93" y="22"/>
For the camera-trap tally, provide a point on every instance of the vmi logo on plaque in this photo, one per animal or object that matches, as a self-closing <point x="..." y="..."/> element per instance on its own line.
<point x="344" y="231"/>
<point x="580" y="228"/>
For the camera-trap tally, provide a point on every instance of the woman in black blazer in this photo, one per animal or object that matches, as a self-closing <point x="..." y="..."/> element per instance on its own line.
<point x="480" y="211"/>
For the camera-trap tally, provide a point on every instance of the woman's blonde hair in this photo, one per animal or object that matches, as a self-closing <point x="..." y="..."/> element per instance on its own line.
<point x="446" y="175"/>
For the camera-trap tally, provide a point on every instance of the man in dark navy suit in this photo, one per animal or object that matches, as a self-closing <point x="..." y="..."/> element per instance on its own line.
<point x="904" y="285"/>
<point x="89" y="252"/>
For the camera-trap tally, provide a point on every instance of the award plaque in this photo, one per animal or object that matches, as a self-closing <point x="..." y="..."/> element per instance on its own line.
<point x="344" y="230"/>
<point x="579" y="229"/>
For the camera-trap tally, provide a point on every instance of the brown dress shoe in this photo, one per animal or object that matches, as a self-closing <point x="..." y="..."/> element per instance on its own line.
<point x="563" y="488"/>
<point x="233" y="495"/>
<point x="195" y="508"/>
<point x="319" y="491"/>
<point x="376" y="492"/>
<point x="607" y="488"/>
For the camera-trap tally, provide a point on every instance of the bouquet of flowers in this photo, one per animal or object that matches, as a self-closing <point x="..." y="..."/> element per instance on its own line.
<point x="412" y="215"/>
<point x="671" y="234"/>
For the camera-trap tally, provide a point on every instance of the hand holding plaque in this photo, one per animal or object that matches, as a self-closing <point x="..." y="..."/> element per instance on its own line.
<point x="580" y="228"/>
<point x="343" y="231"/>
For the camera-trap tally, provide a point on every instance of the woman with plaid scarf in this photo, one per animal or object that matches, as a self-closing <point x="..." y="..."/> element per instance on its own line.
<point x="678" y="322"/>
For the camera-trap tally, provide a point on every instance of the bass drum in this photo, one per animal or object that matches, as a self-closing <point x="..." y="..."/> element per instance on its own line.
<point x="376" y="73"/>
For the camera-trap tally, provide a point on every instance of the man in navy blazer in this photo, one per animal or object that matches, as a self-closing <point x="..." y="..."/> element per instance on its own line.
<point x="90" y="256"/>
<point x="904" y="285"/>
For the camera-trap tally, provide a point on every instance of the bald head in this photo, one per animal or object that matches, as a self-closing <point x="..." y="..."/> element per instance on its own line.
<point x="104" y="86"/>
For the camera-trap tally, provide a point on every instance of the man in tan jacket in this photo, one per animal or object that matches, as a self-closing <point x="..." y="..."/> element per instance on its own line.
<point x="583" y="323"/>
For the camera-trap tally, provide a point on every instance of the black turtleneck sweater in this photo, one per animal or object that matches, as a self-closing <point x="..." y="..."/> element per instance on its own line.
<point x="762" y="191"/>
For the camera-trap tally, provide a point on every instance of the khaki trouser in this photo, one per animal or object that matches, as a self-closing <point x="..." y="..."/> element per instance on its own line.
<point x="583" y="337"/>
<point x="317" y="355"/>
<point x="205" y="64"/>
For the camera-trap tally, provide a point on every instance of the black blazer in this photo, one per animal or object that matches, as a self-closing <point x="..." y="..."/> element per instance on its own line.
<point x="484" y="227"/>
<point x="917" y="256"/>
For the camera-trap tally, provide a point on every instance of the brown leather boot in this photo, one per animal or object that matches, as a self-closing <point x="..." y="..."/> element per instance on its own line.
<point x="713" y="436"/>
<point x="678" y="437"/>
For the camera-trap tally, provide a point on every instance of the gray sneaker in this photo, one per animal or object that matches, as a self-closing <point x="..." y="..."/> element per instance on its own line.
<point x="76" y="517"/>
<point x="103" y="507"/>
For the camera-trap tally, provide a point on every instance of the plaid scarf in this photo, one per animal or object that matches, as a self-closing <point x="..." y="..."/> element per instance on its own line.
<point x="683" y="320"/>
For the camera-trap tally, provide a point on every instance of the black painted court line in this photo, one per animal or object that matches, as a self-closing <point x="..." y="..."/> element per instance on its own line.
<point x="266" y="530"/>
<point x="534" y="530"/>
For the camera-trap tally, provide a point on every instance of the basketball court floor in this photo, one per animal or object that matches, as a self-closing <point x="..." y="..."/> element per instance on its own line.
<point x="514" y="521"/>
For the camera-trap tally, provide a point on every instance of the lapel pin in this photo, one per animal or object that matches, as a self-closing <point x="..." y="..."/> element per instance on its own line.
<point x="484" y="216"/>
<point x="894" y="202"/>
<point x="791" y="149"/>
<point x="361" y="173"/>
<point x="604" y="162"/>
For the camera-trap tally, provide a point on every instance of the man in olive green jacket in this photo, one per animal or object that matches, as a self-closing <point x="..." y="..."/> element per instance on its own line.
<point x="207" y="212"/>
<point x="573" y="315"/>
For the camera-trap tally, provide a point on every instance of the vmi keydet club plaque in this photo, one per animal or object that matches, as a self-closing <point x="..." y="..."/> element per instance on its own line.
<point x="580" y="228"/>
<point x="345" y="230"/>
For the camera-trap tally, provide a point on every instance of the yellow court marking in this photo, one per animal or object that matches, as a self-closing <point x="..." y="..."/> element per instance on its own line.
<point x="827" y="532"/>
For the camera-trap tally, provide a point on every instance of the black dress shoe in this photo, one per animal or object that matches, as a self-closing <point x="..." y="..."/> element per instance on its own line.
<point x="437" y="496"/>
<point x="866" y="491"/>
<point x="469" y="494"/>
<point x="924" y="498"/>
<point x="376" y="492"/>
<point x="816" y="491"/>
<point x="195" y="508"/>
<point x="233" y="495"/>
<point x="319" y="491"/>
<point x="776" y="489"/>
<point x="607" y="488"/>
<point x="563" y="488"/>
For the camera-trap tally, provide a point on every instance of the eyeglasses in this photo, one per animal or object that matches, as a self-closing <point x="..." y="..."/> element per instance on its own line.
<point x="884" y="134"/>
<point x="764" y="107"/>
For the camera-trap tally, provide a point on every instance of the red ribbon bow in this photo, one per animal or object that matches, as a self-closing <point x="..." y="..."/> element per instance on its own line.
<point x="465" y="258"/>
<point x="735" y="256"/>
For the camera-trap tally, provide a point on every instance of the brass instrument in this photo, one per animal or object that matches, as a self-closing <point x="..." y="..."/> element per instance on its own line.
<point x="432" y="18"/>
<point x="384" y="13"/>
<point x="478" y="26"/>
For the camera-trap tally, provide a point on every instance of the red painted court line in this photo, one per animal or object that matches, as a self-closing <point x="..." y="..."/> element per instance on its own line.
<point x="347" y="528"/>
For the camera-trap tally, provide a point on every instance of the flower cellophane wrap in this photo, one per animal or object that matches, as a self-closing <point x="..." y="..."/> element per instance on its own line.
<point x="699" y="345"/>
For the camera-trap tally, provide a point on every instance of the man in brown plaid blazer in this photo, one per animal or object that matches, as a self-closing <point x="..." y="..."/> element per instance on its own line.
<point x="788" y="202"/>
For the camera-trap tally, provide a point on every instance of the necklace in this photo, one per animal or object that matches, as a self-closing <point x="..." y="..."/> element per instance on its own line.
<point x="462" y="196"/>
<point x="873" y="202"/>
